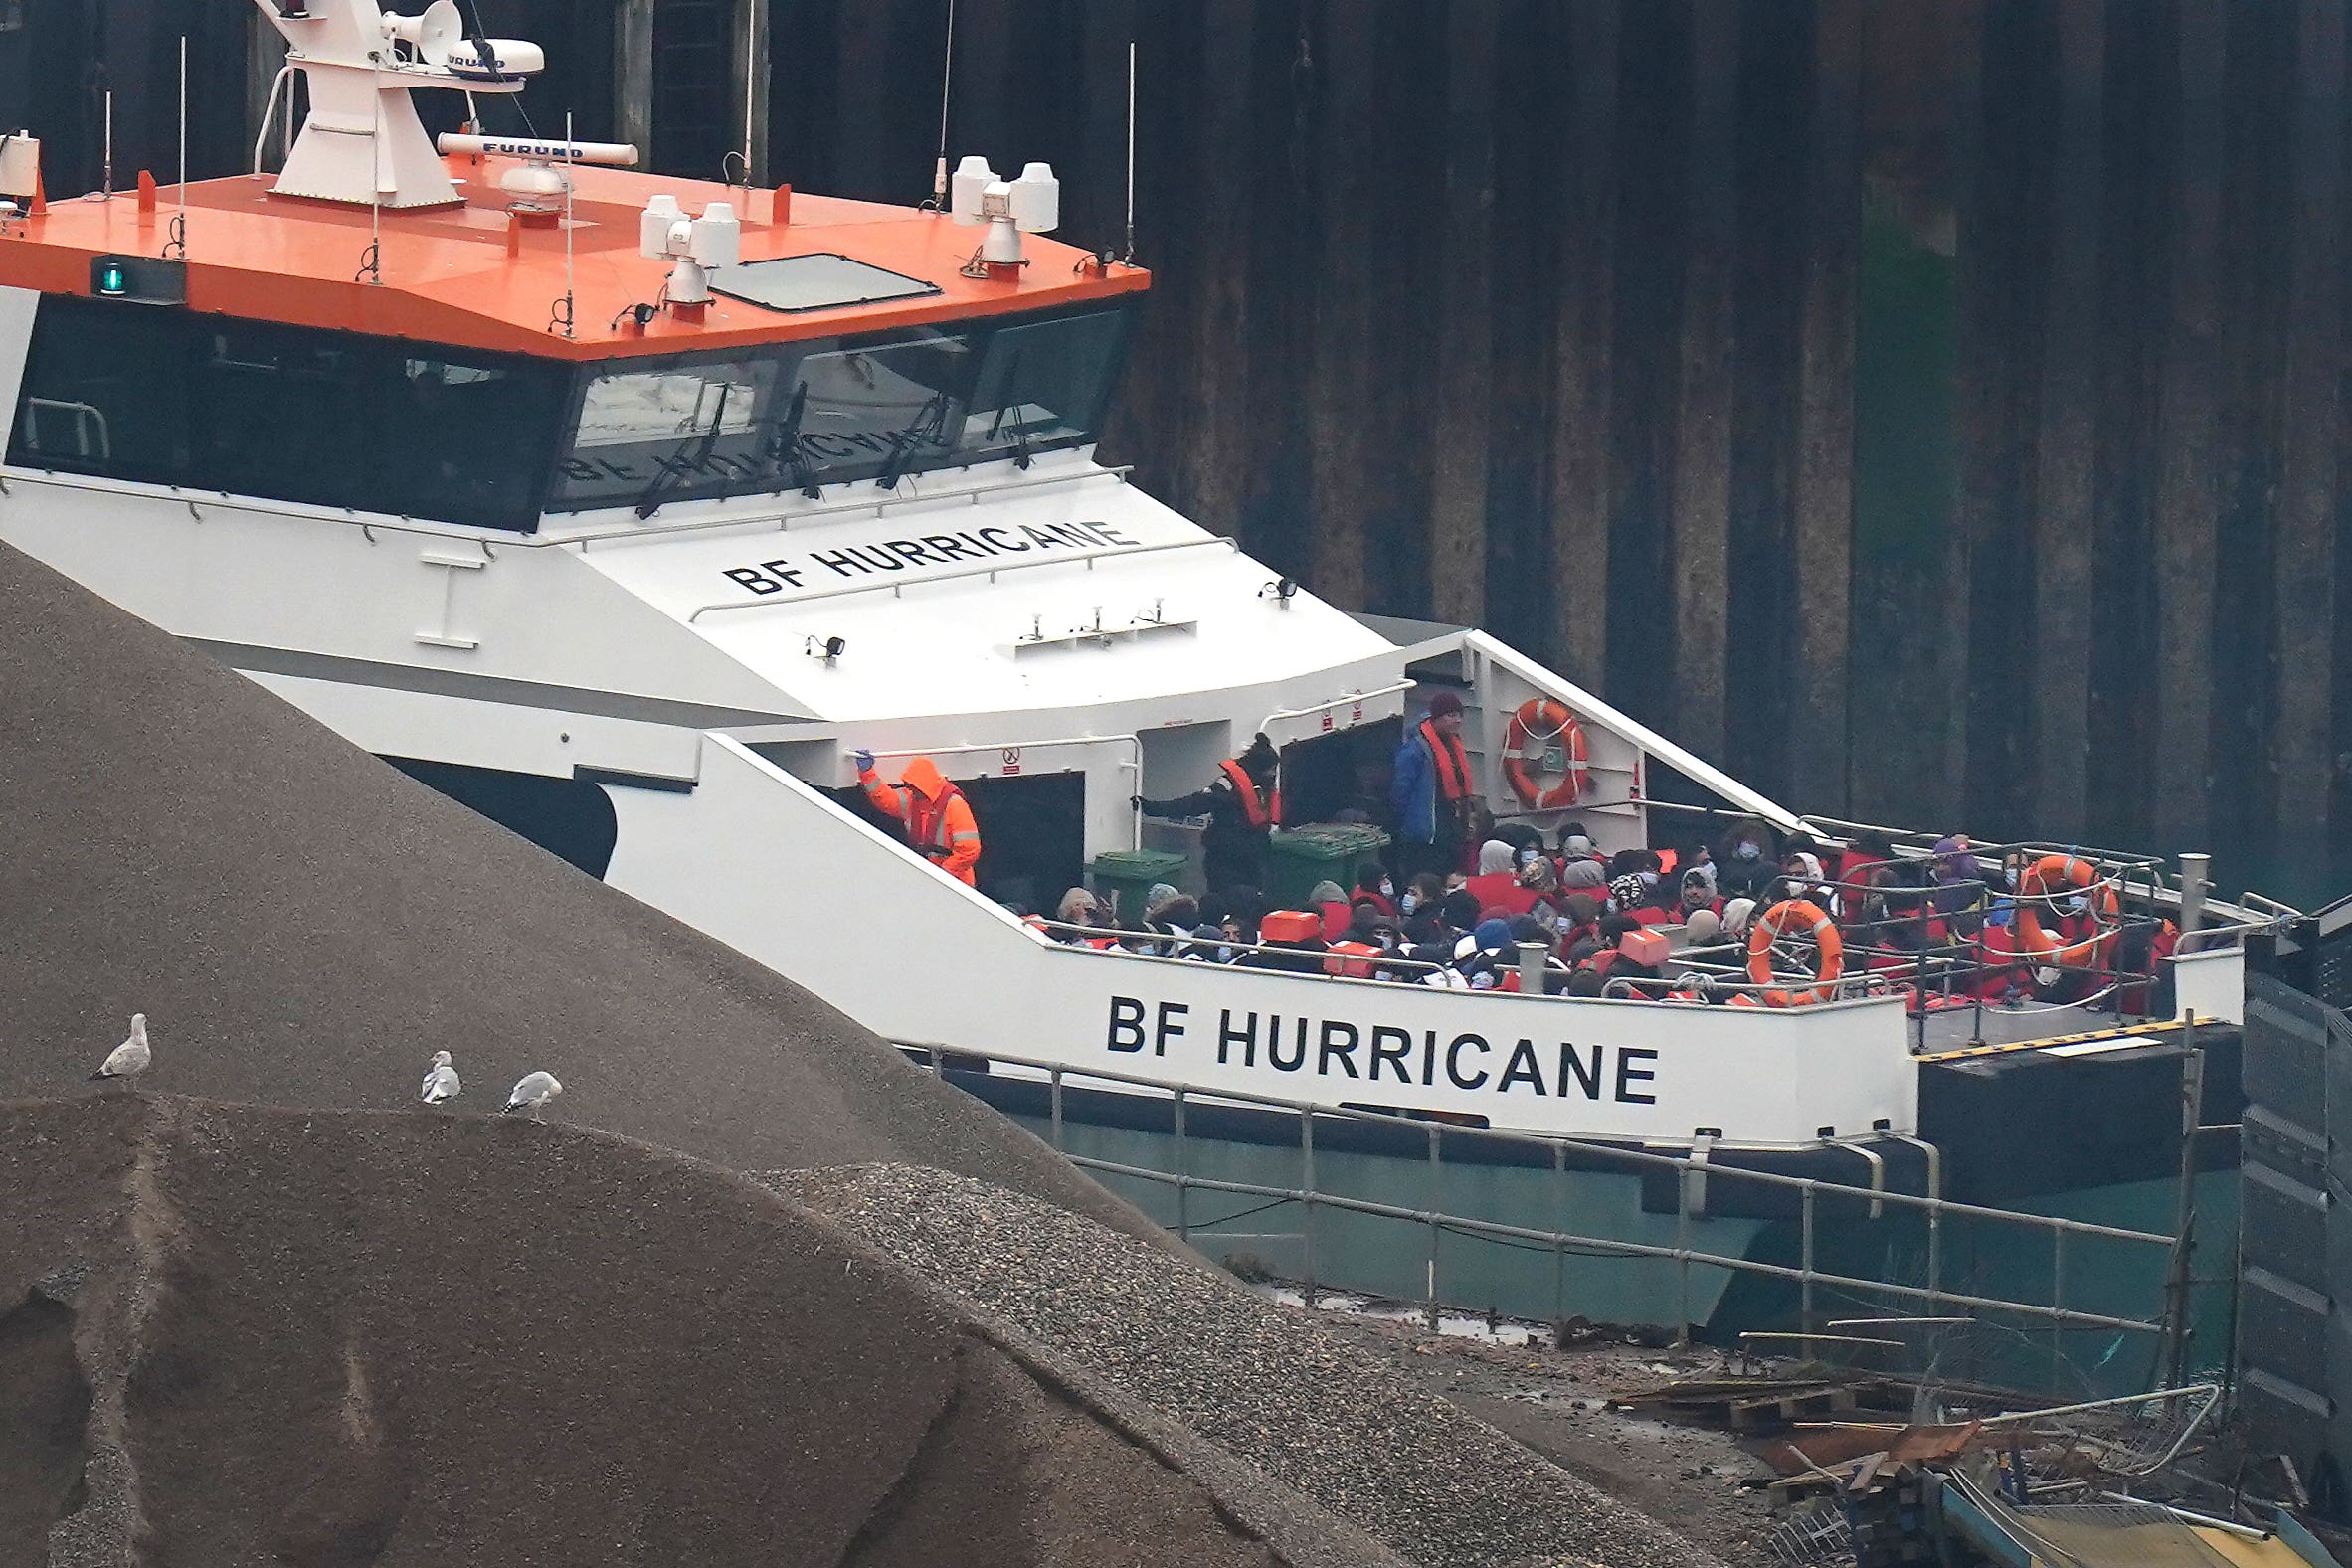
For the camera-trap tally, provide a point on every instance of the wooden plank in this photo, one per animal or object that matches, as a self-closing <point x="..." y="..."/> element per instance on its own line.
<point x="1221" y="435"/>
<point x="2304" y="558"/>
<point x="2181" y="760"/>
<point x="632" y="74"/>
<point x="2063" y="518"/>
<point x="1352" y="210"/>
<point x="1465" y="335"/>
<point x="1700" y="521"/>
<point x="1583" y="346"/>
<point x="1823" y="526"/>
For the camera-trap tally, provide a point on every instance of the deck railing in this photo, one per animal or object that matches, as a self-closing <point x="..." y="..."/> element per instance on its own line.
<point x="1692" y="1173"/>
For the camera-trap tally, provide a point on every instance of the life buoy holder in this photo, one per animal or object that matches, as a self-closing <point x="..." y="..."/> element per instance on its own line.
<point x="2045" y="879"/>
<point x="1796" y="917"/>
<point x="1544" y="741"/>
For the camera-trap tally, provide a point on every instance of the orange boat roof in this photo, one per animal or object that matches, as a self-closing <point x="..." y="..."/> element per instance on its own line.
<point x="447" y="275"/>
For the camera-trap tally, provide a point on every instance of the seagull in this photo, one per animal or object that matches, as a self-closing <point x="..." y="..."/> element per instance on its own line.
<point x="532" y="1092"/>
<point x="130" y="1058"/>
<point x="440" y="1079"/>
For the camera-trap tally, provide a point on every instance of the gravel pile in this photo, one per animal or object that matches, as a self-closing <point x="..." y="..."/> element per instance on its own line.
<point x="233" y="1335"/>
<point x="1312" y="1412"/>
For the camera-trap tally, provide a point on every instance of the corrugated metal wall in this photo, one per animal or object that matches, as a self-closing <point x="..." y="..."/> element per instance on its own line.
<point x="1929" y="409"/>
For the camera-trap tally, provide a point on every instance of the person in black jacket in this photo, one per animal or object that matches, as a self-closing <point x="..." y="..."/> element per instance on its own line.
<point x="1242" y="804"/>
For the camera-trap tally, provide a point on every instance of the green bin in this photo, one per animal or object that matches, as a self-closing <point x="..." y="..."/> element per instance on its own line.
<point x="1297" y="858"/>
<point x="1124" y="875"/>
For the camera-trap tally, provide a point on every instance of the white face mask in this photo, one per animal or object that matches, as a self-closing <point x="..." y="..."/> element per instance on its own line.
<point x="1409" y="903"/>
<point x="1387" y="888"/>
<point x="1527" y="858"/>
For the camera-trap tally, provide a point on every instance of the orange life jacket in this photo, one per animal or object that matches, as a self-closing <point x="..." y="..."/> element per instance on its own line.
<point x="1258" y="811"/>
<point x="1453" y="764"/>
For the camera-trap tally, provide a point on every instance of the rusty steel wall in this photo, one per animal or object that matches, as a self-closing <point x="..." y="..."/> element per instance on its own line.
<point x="1928" y="410"/>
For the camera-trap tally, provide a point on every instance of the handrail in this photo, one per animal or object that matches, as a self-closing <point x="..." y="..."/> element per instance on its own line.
<point x="1610" y="1244"/>
<point x="990" y="572"/>
<point x="1634" y="1156"/>
<point x="1266" y="725"/>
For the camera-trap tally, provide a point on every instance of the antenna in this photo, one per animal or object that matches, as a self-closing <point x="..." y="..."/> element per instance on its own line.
<point x="571" y="158"/>
<point x="751" y="71"/>
<point x="947" y="79"/>
<point x="371" y="260"/>
<point x="177" y="246"/>
<point x="1128" y="258"/>
<point x="108" y="178"/>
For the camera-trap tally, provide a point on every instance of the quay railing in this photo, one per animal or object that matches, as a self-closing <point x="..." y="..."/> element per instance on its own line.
<point x="2168" y="1326"/>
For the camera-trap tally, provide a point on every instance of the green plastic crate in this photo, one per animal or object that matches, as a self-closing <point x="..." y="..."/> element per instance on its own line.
<point x="1123" y="876"/>
<point x="1297" y="858"/>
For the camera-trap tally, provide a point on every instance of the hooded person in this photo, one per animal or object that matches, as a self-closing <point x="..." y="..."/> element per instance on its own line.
<point x="1497" y="884"/>
<point x="1739" y="914"/>
<point x="1957" y="870"/>
<point x="1703" y="929"/>
<point x="1746" y="860"/>
<point x="1584" y="876"/>
<point x="1331" y="904"/>
<point x="1243" y="805"/>
<point x="931" y="811"/>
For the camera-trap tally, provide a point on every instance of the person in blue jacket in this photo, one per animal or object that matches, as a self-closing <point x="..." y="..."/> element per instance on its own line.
<point x="1430" y="794"/>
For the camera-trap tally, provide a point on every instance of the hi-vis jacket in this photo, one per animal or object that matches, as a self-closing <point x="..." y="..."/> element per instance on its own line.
<point x="937" y="818"/>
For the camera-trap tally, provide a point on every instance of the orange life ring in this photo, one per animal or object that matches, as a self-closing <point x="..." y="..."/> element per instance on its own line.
<point x="2042" y="880"/>
<point x="1538" y="727"/>
<point x="1767" y="929"/>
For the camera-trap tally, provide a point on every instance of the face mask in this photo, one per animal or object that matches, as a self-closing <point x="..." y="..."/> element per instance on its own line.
<point x="1748" y="851"/>
<point x="1409" y="903"/>
<point x="2079" y="904"/>
<point x="1387" y="888"/>
<point x="1527" y="858"/>
<point x="1224" y="954"/>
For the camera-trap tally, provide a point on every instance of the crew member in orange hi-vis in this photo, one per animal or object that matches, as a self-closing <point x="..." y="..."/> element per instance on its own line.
<point x="933" y="813"/>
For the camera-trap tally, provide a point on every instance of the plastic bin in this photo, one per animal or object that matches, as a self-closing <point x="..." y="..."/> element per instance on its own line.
<point x="1297" y="858"/>
<point x="1123" y="876"/>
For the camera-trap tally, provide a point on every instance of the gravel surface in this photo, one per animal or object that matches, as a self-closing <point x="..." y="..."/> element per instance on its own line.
<point x="1559" y="1403"/>
<point x="241" y="1336"/>
<point x="1310" y="1410"/>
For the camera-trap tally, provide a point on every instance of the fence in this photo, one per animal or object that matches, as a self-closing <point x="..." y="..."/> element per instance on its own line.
<point x="1691" y="1174"/>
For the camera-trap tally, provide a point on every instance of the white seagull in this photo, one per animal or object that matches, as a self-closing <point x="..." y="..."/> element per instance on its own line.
<point x="533" y="1090"/>
<point x="130" y="1058"/>
<point x="440" y="1079"/>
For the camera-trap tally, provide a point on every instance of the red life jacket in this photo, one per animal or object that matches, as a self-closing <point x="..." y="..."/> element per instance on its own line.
<point x="1453" y="764"/>
<point x="1258" y="811"/>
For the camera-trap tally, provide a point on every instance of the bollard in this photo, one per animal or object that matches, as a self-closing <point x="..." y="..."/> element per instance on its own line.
<point x="1530" y="968"/>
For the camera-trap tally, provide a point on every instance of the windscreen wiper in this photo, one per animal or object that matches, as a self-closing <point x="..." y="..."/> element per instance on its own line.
<point x="692" y="452"/>
<point x="787" y="450"/>
<point x="1010" y="410"/>
<point x="926" y="425"/>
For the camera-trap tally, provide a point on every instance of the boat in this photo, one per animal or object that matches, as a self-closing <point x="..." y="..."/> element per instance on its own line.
<point x="630" y="509"/>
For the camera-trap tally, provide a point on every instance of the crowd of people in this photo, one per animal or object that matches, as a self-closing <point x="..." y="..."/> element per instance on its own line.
<point x="1668" y="922"/>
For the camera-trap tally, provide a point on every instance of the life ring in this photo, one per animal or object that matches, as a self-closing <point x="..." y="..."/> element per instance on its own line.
<point x="1807" y="919"/>
<point x="1545" y="739"/>
<point x="2044" y="879"/>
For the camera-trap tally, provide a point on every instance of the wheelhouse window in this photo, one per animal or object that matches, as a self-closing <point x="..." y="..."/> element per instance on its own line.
<point x="291" y="413"/>
<point x="747" y="422"/>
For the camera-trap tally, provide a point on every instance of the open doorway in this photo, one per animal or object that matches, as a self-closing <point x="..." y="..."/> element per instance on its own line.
<point x="1327" y="777"/>
<point x="1032" y="834"/>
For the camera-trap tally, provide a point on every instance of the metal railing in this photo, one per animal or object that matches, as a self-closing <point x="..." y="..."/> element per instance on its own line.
<point x="1692" y="1173"/>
